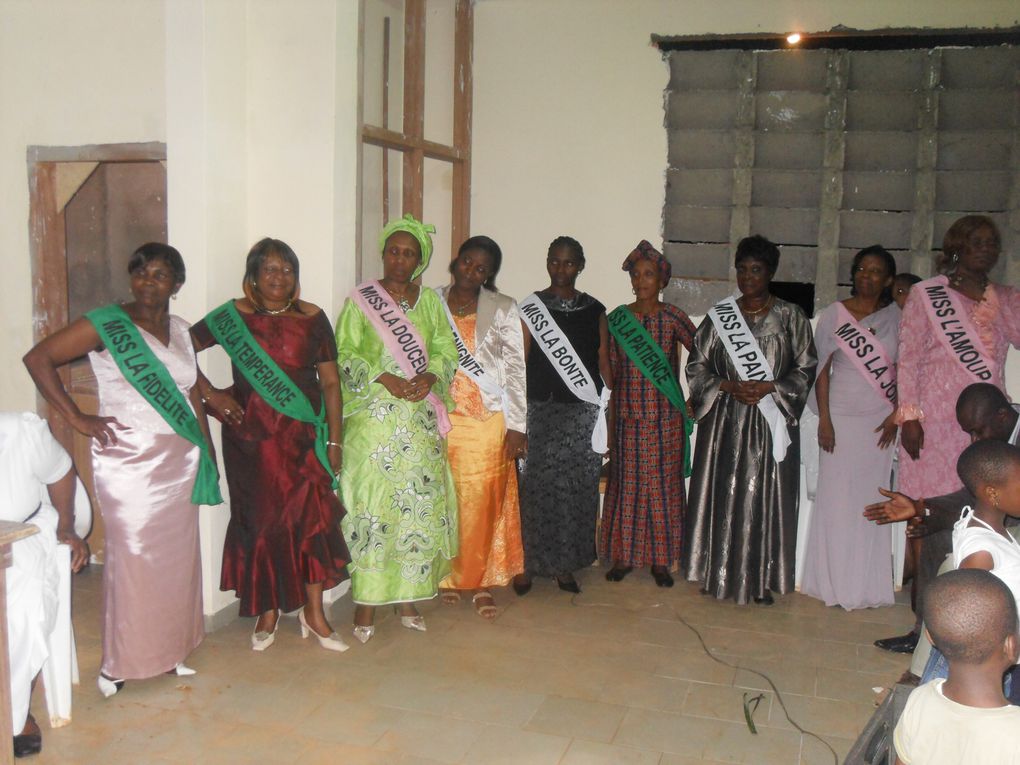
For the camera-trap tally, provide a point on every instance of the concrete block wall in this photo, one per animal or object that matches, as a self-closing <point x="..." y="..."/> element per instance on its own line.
<point x="826" y="152"/>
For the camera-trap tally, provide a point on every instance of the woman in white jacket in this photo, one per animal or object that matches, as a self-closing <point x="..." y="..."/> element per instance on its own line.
<point x="488" y="425"/>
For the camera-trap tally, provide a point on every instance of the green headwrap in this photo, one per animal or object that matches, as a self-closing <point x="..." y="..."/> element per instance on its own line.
<point x="417" y="229"/>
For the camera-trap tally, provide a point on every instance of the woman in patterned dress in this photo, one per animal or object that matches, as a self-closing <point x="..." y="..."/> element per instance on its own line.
<point x="643" y="515"/>
<point x="401" y="522"/>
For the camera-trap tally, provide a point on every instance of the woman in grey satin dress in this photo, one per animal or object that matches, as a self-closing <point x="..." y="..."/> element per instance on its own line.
<point x="741" y="528"/>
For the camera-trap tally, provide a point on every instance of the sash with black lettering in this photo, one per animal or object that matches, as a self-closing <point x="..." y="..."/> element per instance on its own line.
<point x="266" y="378"/>
<point x="866" y="353"/>
<point x="401" y="338"/>
<point x="469" y="365"/>
<point x="651" y="361"/>
<point x="153" y="381"/>
<point x="954" y="329"/>
<point x="564" y="359"/>
<point x="749" y="361"/>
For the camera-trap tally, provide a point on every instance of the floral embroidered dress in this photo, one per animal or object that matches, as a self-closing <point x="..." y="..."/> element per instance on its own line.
<point x="401" y="522"/>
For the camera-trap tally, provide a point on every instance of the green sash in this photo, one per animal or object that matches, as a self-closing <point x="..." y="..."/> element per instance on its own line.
<point x="265" y="376"/>
<point x="150" y="377"/>
<point x="651" y="361"/>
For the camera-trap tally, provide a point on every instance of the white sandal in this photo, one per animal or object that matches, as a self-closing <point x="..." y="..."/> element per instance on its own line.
<point x="487" y="611"/>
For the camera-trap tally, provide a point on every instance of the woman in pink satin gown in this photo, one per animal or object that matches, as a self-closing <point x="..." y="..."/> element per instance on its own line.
<point x="144" y="473"/>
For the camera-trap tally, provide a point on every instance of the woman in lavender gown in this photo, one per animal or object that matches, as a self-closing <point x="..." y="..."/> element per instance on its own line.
<point x="848" y="561"/>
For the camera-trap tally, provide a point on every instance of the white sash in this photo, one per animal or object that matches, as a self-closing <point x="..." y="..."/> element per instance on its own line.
<point x="751" y="364"/>
<point x="469" y="365"/>
<point x="564" y="359"/>
<point x="954" y="329"/>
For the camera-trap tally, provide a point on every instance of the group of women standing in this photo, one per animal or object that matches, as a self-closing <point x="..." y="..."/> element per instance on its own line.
<point x="416" y="410"/>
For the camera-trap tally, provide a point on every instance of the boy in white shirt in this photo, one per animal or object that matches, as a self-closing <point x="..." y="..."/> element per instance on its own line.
<point x="972" y="616"/>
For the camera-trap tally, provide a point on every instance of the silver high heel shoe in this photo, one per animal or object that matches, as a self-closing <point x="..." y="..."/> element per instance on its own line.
<point x="331" y="642"/>
<point x="261" y="640"/>
<point x="108" y="686"/>
<point x="363" y="632"/>
<point x="416" y="622"/>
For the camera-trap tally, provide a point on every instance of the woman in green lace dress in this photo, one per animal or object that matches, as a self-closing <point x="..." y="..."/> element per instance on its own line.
<point x="401" y="522"/>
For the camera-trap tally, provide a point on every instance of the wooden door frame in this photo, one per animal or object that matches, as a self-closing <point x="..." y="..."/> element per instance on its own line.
<point x="411" y="139"/>
<point x="47" y="243"/>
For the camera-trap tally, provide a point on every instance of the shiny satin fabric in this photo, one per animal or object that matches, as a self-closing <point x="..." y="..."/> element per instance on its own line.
<point x="152" y="578"/>
<point x="284" y="528"/>
<point x="741" y="527"/>
<point x="499" y="348"/>
<point x="491" y="551"/>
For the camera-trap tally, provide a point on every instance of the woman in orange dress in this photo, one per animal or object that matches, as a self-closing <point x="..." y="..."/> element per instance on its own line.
<point x="488" y="425"/>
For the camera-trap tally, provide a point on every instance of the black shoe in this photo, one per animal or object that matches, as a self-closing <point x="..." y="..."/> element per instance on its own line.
<point x="901" y="644"/>
<point x="765" y="600"/>
<point x="27" y="744"/>
<point x="617" y="573"/>
<point x="568" y="584"/>
<point x="522" y="586"/>
<point x="662" y="577"/>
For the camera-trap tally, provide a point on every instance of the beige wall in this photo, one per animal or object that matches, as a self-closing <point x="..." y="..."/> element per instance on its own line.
<point x="568" y="121"/>
<point x="71" y="73"/>
<point x="261" y="141"/>
<point x="257" y="103"/>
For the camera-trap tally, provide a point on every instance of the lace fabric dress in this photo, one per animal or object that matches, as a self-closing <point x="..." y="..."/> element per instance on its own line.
<point x="930" y="381"/>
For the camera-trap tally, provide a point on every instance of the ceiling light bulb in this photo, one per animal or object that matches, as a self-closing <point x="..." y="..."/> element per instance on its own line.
<point x="793" y="38"/>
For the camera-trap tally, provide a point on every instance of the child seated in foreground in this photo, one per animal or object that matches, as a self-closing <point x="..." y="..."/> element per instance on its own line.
<point x="972" y="616"/>
<point x="991" y="472"/>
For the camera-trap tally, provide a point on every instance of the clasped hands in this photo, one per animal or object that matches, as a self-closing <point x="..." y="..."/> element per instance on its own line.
<point x="415" y="389"/>
<point x="748" y="392"/>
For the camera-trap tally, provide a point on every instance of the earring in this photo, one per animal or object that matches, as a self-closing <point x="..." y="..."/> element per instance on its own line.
<point x="173" y="296"/>
<point x="956" y="258"/>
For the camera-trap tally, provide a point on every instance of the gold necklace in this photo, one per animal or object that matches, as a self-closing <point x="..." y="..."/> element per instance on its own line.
<point x="462" y="310"/>
<point x="275" y="311"/>
<point x="958" y="279"/>
<point x="763" y="309"/>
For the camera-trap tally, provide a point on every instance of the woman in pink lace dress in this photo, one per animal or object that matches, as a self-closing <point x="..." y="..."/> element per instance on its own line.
<point x="930" y="377"/>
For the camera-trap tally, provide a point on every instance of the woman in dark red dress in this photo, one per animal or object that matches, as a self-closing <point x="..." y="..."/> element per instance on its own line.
<point x="283" y="545"/>
<point x="643" y="515"/>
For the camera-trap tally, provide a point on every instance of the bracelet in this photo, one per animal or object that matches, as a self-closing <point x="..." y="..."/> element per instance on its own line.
<point x="334" y="443"/>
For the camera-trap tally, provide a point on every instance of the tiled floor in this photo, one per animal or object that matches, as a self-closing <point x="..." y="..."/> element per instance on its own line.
<point x="612" y="677"/>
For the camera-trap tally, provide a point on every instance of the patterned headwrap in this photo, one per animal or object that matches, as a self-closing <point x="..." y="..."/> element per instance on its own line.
<point x="645" y="251"/>
<point x="417" y="229"/>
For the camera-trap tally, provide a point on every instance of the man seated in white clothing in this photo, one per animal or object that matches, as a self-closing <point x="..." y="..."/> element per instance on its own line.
<point x="37" y="483"/>
<point x="972" y="616"/>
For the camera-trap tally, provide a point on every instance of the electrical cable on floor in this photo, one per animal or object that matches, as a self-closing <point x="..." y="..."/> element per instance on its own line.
<point x="713" y="657"/>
